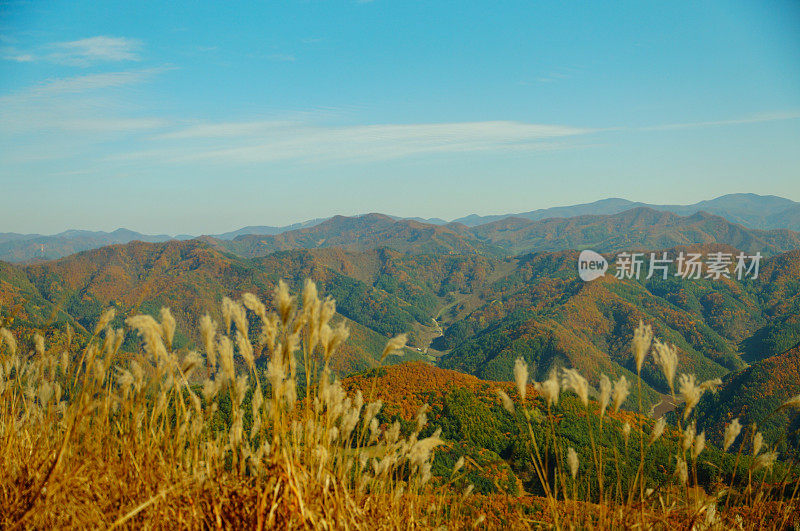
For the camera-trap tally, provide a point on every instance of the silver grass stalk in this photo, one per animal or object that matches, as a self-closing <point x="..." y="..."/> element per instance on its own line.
<point x="549" y="389"/>
<point x="573" y="380"/>
<point x="605" y="394"/>
<point x="167" y="326"/>
<point x="10" y="341"/>
<point x="394" y="345"/>
<point x="732" y="431"/>
<point x="642" y="337"/>
<point x="667" y="358"/>
<point x="681" y="471"/>
<point x="758" y="443"/>
<point x="691" y="393"/>
<point x="699" y="445"/>
<point x="508" y="405"/>
<point x="38" y="342"/>
<point x="765" y="460"/>
<point x="105" y="318"/>
<point x="658" y="430"/>
<point x="573" y="462"/>
<point x="688" y="436"/>
<point x="521" y="377"/>
<point x="208" y="330"/>
<point x="622" y="389"/>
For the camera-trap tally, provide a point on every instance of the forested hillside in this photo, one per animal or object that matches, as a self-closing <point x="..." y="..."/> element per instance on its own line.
<point x="477" y="312"/>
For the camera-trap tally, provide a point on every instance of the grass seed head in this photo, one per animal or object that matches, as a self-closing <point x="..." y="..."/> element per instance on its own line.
<point x="642" y="337"/>
<point x="550" y="389"/>
<point x="284" y="302"/>
<point x="458" y="466"/>
<point x="252" y="303"/>
<point x="765" y="460"/>
<point x="667" y="358"/>
<point x="208" y="330"/>
<point x="150" y="331"/>
<point x="394" y="345"/>
<point x="167" y="326"/>
<point x="658" y="429"/>
<point x="605" y="394"/>
<point x="8" y="338"/>
<point x="699" y="444"/>
<point x="681" y="471"/>
<point x="521" y="377"/>
<point x="573" y="380"/>
<point x="105" y="318"/>
<point x="732" y="431"/>
<point x="573" y="462"/>
<point x="688" y="436"/>
<point x="38" y="342"/>
<point x="622" y="389"/>
<point x="508" y="405"/>
<point x="691" y="393"/>
<point x="758" y="443"/>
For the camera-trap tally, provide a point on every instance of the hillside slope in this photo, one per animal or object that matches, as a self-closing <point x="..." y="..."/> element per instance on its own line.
<point x="753" y="394"/>
<point x="485" y="311"/>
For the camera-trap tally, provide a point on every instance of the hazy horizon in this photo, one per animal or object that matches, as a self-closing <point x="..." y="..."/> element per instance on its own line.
<point x="357" y="214"/>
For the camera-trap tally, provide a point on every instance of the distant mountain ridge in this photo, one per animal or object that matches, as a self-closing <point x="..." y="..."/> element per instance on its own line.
<point x="267" y="230"/>
<point x="15" y="247"/>
<point x="751" y="210"/>
<point x="369" y="231"/>
<point x="473" y="233"/>
<point x="638" y="228"/>
<point x="30" y="247"/>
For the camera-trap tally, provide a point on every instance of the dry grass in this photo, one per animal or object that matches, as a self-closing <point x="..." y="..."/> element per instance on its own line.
<point x="93" y="438"/>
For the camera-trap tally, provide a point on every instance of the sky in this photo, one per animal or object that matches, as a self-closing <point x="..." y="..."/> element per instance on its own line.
<point x="199" y="118"/>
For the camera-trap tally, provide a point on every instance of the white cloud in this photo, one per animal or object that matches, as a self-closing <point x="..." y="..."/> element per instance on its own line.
<point x="270" y="141"/>
<point x="227" y="129"/>
<point x="753" y="119"/>
<point x="11" y="54"/>
<point x="83" y="52"/>
<point x="80" y="84"/>
<point x="77" y="104"/>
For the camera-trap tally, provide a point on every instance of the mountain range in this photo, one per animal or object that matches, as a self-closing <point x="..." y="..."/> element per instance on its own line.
<point x="470" y="233"/>
<point x="472" y="298"/>
<point x="751" y="210"/>
<point x="638" y="228"/>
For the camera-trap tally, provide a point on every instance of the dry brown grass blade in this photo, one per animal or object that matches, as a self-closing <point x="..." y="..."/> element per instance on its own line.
<point x="40" y="489"/>
<point x="144" y="505"/>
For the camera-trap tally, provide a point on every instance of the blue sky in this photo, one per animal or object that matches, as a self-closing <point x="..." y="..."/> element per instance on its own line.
<point x="184" y="117"/>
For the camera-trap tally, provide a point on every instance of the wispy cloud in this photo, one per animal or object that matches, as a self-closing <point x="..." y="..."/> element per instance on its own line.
<point x="282" y="57"/>
<point x="13" y="54"/>
<point x="552" y="77"/>
<point x="271" y="141"/>
<point x="753" y="119"/>
<point x="229" y="129"/>
<point x="81" y="84"/>
<point x="82" y="52"/>
<point x="78" y="104"/>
